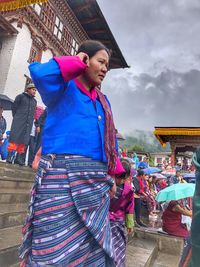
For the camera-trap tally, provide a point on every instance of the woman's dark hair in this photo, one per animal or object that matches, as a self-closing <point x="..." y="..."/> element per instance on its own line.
<point x="127" y="167"/>
<point x="140" y="173"/>
<point x="91" y="47"/>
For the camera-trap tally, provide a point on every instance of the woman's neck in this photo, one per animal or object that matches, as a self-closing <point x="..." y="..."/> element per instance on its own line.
<point x="88" y="86"/>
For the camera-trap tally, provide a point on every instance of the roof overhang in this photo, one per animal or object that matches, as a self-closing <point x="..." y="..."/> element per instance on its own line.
<point x="165" y="134"/>
<point x="93" y="22"/>
<point x="6" y="28"/>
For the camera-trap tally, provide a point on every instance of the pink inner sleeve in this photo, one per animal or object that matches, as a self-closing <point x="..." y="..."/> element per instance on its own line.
<point x="70" y="66"/>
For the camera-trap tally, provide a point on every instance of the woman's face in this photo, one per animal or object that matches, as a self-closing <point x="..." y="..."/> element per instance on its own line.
<point x="98" y="67"/>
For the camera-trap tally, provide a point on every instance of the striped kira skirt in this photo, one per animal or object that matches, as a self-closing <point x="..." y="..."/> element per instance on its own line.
<point x="119" y="242"/>
<point x="68" y="222"/>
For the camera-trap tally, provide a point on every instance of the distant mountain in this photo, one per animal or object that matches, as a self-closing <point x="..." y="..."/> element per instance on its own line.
<point x="143" y="141"/>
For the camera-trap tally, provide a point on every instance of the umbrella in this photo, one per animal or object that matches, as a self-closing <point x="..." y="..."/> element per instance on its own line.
<point x="159" y="176"/>
<point x="176" y="192"/>
<point x="169" y="172"/>
<point x="5" y="102"/>
<point x="189" y="175"/>
<point x="151" y="170"/>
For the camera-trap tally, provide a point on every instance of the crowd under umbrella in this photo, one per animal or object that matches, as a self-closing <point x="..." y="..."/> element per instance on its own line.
<point x="169" y="172"/>
<point x="190" y="177"/>
<point x="159" y="176"/>
<point x="176" y="192"/>
<point x="5" y="102"/>
<point x="151" y="170"/>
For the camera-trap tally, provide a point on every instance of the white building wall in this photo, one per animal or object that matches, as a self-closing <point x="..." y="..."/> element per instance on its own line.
<point x="6" y="53"/>
<point x="15" y="82"/>
<point x="46" y="55"/>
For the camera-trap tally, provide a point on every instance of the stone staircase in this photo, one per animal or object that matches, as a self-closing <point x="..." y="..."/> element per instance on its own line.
<point x="149" y="248"/>
<point x="15" y="185"/>
<point x="144" y="249"/>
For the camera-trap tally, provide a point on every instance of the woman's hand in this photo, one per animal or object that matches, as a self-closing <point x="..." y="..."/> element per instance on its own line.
<point x="130" y="230"/>
<point x="84" y="57"/>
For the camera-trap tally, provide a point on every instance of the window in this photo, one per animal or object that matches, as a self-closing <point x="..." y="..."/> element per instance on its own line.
<point x="74" y="48"/>
<point x="35" y="54"/>
<point x="66" y="40"/>
<point x="48" y="16"/>
<point x="37" y="8"/>
<point x="58" y="28"/>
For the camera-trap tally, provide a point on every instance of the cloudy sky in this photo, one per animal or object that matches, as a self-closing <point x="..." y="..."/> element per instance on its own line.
<point x="160" y="40"/>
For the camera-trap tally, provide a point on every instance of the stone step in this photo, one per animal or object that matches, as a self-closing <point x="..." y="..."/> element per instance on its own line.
<point x="15" y="265"/>
<point x="17" y="183"/>
<point x="140" y="252"/>
<point x="166" y="243"/>
<point x="11" y="196"/>
<point x="16" y="173"/>
<point x="10" y="240"/>
<point x="166" y="260"/>
<point x="12" y="214"/>
<point x="15" y="167"/>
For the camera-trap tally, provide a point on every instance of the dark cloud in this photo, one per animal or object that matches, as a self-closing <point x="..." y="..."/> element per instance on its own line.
<point x="144" y="101"/>
<point x="160" y="40"/>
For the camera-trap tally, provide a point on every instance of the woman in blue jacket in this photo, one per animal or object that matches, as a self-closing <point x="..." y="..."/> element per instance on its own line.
<point x="68" y="223"/>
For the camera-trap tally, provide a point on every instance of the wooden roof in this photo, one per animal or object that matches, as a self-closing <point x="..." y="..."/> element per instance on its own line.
<point x="93" y="22"/>
<point x="167" y="134"/>
<point x="6" y="28"/>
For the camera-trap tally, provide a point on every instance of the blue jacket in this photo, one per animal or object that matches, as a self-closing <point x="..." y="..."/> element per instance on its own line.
<point x="75" y="123"/>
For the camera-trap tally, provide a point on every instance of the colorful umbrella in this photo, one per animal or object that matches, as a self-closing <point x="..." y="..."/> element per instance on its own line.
<point x="6" y="5"/>
<point x="189" y="175"/>
<point x="159" y="176"/>
<point x="169" y="172"/>
<point x="151" y="170"/>
<point x="176" y="192"/>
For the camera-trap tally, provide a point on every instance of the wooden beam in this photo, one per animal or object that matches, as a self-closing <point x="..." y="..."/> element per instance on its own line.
<point x="88" y="21"/>
<point x="96" y="31"/>
<point x="81" y="7"/>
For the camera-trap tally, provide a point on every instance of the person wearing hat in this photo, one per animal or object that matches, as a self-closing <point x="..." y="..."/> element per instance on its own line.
<point x="3" y="125"/>
<point x="23" y="110"/>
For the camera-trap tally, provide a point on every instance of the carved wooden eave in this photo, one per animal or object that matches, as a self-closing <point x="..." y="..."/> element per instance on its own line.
<point x="6" y="28"/>
<point x="39" y="30"/>
<point x="178" y="135"/>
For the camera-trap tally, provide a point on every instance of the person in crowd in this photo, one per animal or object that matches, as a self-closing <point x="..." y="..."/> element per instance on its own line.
<point x="195" y="233"/>
<point x="176" y="179"/>
<point x="23" y="110"/>
<point x="31" y="147"/>
<point x="39" y="123"/>
<point x="135" y="160"/>
<point x="144" y="163"/>
<point x="150" y="197"/>
<point x="121" y="213"/>
<point x="4" y="146"/>
<point x="69" y="222"/>
<point x="172" y="219"/>
<point x="124" y="153"/>
<point x="3" y="125"/>
<point x="138" y="183"/>
<point x="185" y="164"/>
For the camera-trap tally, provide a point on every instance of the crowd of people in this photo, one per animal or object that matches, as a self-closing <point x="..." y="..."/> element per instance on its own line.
<point x="24" y="138"/>
<point x="86" y="195"/>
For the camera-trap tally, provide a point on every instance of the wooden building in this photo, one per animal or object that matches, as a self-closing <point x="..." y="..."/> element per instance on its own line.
<point x="41" y="31"/>
<point x="181" y="139"/>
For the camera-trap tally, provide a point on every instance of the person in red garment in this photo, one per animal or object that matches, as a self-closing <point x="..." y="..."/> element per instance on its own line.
<point x="172" y="219"/>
